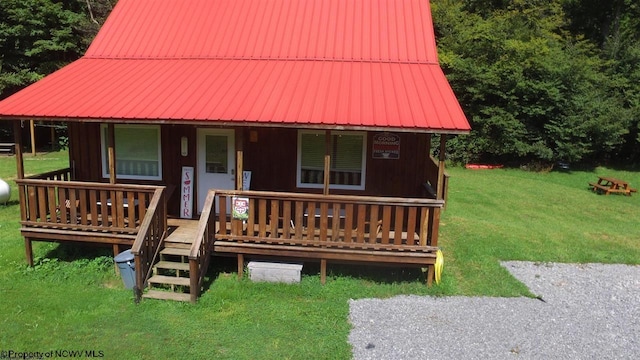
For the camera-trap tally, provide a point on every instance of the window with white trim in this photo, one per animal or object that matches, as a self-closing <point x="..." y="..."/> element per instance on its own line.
<point x="138" y="152"/>
<point x="348" y="159"/>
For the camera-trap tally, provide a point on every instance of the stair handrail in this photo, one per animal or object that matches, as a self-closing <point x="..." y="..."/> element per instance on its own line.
<point x="149" y="239"/>
<point x="200" y="252"/>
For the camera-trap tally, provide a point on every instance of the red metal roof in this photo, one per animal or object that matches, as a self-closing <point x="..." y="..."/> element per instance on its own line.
<point x="305" y="63"/>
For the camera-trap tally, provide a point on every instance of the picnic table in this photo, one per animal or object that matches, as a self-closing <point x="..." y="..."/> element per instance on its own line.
<point x="609" y="185"/>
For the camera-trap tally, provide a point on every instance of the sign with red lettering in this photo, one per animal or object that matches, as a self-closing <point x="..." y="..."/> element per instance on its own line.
<point x="186" y="193"/>
<point x="240" y="209"/>
<point x="386" y="146"/>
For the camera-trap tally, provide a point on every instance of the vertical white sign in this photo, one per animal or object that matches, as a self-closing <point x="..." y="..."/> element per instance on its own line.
<point x="186" y="193"/>
<point x="246" y="180"/>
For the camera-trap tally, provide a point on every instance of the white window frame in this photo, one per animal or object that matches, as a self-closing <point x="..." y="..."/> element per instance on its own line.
<point x="363" y="174"/>
<point x="131" y="127"/>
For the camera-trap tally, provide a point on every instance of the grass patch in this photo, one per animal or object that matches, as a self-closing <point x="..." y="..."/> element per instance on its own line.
<point x="72" y="299"/>
<point x="510" y="214"/>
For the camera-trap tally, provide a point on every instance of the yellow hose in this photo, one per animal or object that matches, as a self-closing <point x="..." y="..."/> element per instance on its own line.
<point x="439" y="265"/>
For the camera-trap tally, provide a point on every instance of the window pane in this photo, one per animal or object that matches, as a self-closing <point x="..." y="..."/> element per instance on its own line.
<point x="216" y="154"/>
<point x="312" y="158"/>
<point x="137" y="151"/>
<point x="346" y="159"/>
<point x="137" y="144"/>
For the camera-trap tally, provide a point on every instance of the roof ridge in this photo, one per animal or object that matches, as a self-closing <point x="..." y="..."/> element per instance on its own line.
<point x="374" y="61"/>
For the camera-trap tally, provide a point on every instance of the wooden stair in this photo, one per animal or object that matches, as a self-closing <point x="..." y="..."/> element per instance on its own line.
<point x="170" y="280"/>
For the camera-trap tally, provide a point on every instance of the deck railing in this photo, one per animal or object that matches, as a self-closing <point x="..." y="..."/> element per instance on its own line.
<point x="70" y="205"/>
<point x="200" y="253"/>
<point x="328" y="220"/>
<point x="149" y="239"/>
<point x="56" y="175"/>
<point x="432" y="179"/>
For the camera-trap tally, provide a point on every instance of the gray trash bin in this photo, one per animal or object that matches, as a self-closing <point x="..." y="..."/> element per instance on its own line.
<point x="127" y="268"/>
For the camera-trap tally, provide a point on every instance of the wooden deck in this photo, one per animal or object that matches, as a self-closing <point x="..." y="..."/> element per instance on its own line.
<point x="60" y="210"/>
<point x="340" y="228"/>
<point x="375" y="230"/>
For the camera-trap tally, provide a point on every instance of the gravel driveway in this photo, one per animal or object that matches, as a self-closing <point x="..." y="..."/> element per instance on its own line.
<point x="586" y="311"/>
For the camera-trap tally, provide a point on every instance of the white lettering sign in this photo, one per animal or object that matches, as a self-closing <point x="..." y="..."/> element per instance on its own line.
<point x="186" y="193"/>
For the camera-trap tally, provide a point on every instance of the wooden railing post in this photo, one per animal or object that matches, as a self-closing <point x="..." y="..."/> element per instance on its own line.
<point x="200" y="251"/>
<point x="149" y="240"/>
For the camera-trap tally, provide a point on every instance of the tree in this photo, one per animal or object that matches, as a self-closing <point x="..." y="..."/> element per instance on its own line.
<point x="532" y="90"/>
<point x="615" y="27"/>
<point x="38" y="37"/>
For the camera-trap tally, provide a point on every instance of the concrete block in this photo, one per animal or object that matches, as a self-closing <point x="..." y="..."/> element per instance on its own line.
<point x="274" y="272"/>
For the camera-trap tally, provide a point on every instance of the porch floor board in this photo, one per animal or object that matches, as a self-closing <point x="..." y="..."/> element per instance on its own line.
<point x="184" y="232"/>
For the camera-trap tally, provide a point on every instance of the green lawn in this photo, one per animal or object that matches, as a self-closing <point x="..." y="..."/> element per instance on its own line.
<point x="72" y="299"/>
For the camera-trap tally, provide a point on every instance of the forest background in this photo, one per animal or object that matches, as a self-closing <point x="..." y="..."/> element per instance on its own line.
<point x="541" y="81"/>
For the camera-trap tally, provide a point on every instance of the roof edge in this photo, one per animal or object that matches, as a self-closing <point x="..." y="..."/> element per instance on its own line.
<point x="229" y="124"/>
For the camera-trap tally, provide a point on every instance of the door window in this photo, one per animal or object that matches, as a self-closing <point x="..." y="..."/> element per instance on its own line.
<point x="216" y="161"/>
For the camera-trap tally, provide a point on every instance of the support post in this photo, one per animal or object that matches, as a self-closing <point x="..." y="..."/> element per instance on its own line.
<point x="33" y="137"/>
<point x="435" y="227"/>
<point x="323" y="271"/>
<point x="53" y="137"/>
<point x="112" y="152"/>
<point x="140" y="278"/>
<point x="431" y="270"/>
<point x="240" y="266"/>
<point x="116" y="251"/>
<point x="427" y="160"/>
<point x="28" y="250"/>
<point x="327" y="162"/>
<point x="239" y="159"/>
<point x="440" y="189"/>
<point x="194" y="281"/>
<point x="17" y="135"/>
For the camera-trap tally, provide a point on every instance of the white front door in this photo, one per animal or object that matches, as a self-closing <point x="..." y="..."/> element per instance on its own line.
<point x="216" y="162"/>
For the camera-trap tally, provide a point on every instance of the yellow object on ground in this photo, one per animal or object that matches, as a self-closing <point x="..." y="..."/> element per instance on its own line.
<point x="439" y="265"/>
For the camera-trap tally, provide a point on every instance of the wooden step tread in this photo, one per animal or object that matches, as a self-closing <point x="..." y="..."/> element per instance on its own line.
<point x="175" y="251"/>
<point x="172" y="265"/>
<point x="166" y="295"/>
<point x="170" y="280"/>
<point x="176" y="245"/>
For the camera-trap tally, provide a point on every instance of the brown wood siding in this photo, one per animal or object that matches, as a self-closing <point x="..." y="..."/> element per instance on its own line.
<point x="173" y="161"/>
<point x="400" y="177"/>
<point x="85" y="154"/>
<point x="271" y="158"/>
<point x="269" y="153"/>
